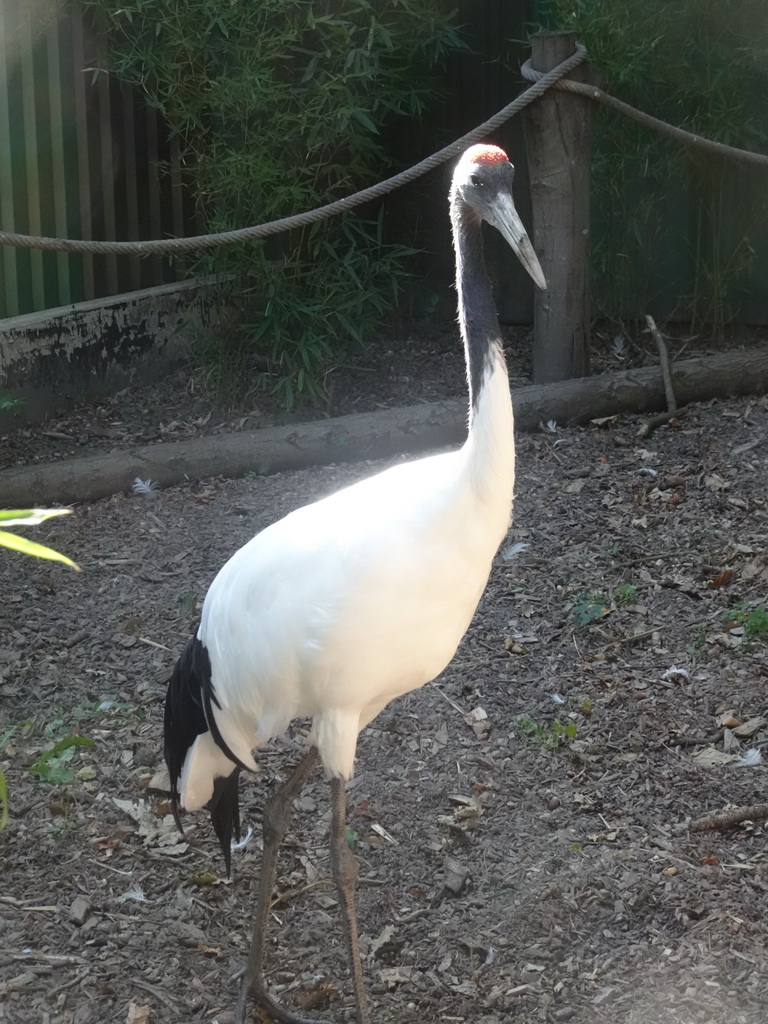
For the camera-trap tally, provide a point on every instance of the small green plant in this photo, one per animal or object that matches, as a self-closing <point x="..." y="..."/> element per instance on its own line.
<point x="549" y="737"/>
<point x="8" y="403"/>
<point x="187" y="604"/>
<point x="756" y="624"/>
<point x="51" y="765"/>
<point x="64" y="722"/>
<point x="754" y="620"/>
<point x="3" y="785"/>
<point x="697" y="649"/>
<point x="586" y="707"/>
<point x="589" y="608"/>
<point x="625" y="592"/>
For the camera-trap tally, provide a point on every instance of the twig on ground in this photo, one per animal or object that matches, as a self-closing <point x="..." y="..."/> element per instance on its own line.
<point x="68" y="984"/>
<point x="159" y="995"/>
<point x="754" y="812"/>
<point x="698" y="741"/>
<point x="55" y="960"/>
<point x="669" y="391"/>
<point x="629" y="639"/>
<point x="672" y="411"/>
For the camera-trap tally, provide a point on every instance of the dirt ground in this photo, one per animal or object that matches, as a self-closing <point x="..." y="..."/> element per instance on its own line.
<point x="522" y="825"/>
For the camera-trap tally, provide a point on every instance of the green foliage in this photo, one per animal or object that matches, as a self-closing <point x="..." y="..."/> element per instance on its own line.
<point x="664" y="212"/>
<point x="756" y="623"/>
<point x="4" y="803"/>
<point x="280" y="106"/>
<point x="625" y="592"/>
<point x="51" y="765"/>
<point x="754" y="620"/>
<point x="594" y="606"/>
<point x="549" y="737"/>
<point x="10" y="404"/>
<point x="589" y="608"/>
<point x="64" y="722"/>
<point x="698" y="648"/>
<point x="187" y="605"/>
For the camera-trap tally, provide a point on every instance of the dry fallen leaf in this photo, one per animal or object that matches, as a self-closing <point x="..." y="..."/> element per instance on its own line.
<point x="513" y="646"/>
<point x="456" y="875"/>
<point x="383" y="938"/>
<point x="575" y="487"/>
<point x="722" y="580"/>
<point x="137" y="1014"/>
<point x="320" y="995"/>
<point x="752" y="569"/>
<point x="477" y="719"/>
<point x="709" y="757"/>
<point x="750" y="727"/>
<point x="208" y="950"/>
<point x="394" y="976"/>
<point x="716" y="483"/>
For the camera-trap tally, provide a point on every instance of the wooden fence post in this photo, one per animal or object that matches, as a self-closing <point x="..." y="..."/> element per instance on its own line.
<point x="557" y="143"/>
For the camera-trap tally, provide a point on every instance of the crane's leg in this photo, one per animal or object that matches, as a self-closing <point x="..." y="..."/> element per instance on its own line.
<point x="277" y="815"/>
<point x="344" y="867"/>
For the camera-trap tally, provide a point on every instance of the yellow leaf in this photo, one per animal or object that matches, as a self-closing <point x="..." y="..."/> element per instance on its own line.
<point x="29" y="547"/>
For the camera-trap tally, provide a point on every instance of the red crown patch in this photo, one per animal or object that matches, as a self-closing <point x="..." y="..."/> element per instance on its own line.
<point x="483" y="154"/>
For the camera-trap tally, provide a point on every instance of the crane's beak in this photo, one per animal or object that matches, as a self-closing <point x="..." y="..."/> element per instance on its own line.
<point x="507" y="220"/>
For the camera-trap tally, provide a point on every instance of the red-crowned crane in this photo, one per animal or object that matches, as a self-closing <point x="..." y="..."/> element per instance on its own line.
<point x="351" y="601"/>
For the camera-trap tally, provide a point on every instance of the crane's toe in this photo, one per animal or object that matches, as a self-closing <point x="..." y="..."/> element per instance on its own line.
<point x="273" y="1009"/>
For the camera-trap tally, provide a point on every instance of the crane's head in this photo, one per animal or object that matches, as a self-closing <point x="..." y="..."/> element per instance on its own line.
<point x="482" y="183"/>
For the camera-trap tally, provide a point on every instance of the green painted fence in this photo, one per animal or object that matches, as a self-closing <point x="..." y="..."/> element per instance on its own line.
<point x="80" y="157"/>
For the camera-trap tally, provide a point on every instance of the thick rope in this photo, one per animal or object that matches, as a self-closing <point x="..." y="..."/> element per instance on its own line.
<point x="678" y="134"/>
<point x="176" y="246"/>
<point x="542" y="81"/>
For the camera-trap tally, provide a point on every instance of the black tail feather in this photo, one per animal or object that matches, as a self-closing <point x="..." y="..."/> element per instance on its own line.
<point x="188" y="714"/>
<point x="224" y="807"/>
<point x="184" y="712"/>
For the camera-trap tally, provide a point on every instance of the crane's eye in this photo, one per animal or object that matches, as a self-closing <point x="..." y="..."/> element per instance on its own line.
<point x="476" y="180"/>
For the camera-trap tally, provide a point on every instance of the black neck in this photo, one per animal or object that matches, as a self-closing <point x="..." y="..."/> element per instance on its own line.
<point x="477" y="311"/>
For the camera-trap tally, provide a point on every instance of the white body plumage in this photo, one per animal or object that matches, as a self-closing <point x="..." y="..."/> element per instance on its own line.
<point x="351" y="601"/>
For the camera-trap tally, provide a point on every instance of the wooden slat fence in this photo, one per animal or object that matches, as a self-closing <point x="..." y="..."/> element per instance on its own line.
<point x="80" y="157"/>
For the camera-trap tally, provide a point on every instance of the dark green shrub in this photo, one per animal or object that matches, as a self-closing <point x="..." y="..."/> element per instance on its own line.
<point x="281" y="106"/>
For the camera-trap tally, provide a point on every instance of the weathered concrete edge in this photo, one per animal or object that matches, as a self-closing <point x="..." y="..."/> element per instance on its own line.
<point x="53" y="358"/>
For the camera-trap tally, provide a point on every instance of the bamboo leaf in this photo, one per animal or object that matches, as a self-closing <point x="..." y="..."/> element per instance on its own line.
<point x="30" y="516"/>
<point x="29" y="547"/>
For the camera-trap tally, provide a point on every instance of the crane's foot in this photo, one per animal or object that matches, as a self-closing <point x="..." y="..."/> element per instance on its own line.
<point x="270" y="1006"/>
